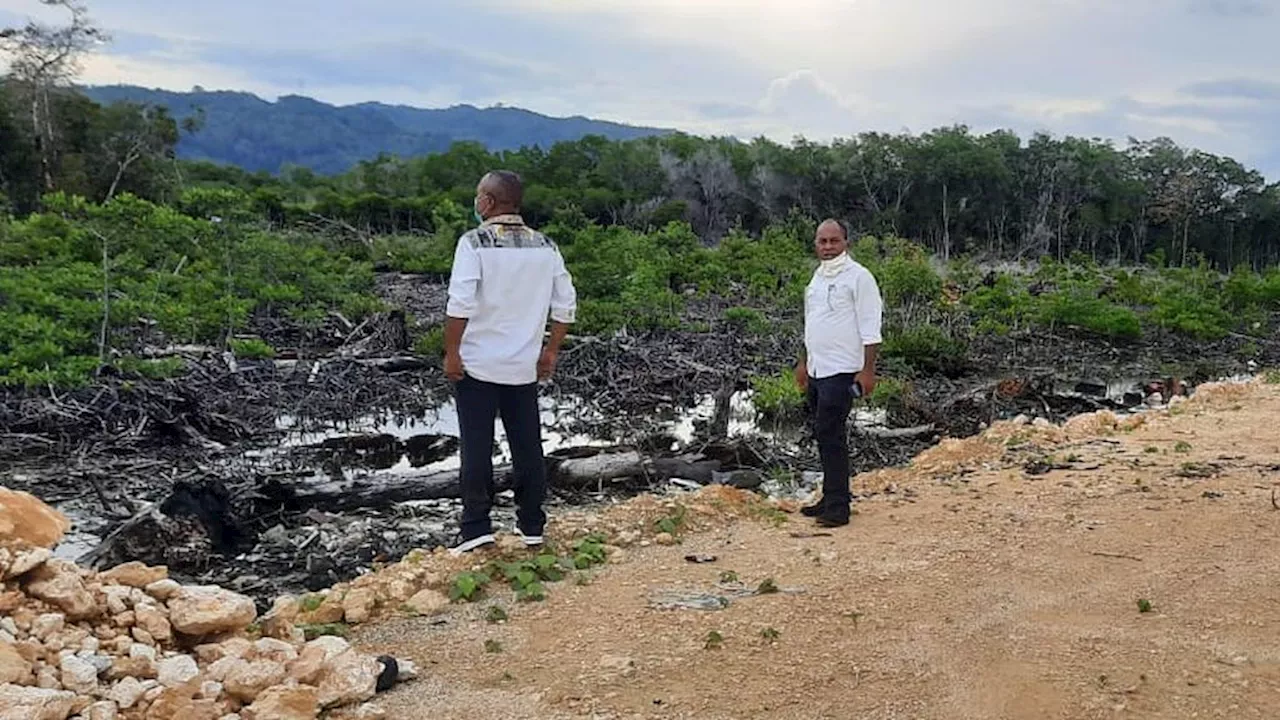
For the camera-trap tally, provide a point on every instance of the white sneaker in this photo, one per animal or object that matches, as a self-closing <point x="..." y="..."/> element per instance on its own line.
<point x="529" y="540"/>
<point x="468" y="545"/>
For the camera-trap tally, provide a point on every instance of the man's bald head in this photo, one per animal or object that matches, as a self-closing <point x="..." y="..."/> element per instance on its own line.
<point x="499" y="192"/>
<point x="831" y="239"/>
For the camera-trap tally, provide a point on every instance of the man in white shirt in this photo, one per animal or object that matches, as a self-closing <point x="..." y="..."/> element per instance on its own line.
<point x="842" y="314"/>
<point x="506" y="279"/>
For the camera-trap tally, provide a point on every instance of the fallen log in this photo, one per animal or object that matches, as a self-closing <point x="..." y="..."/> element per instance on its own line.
<point x="884" y="433"/>
<point x="395" y="364"/>
<point x="701" y="471"/>
<point x="376" y="490"/>
<point x="384" y="489"/>
<point x="599" y="468"/>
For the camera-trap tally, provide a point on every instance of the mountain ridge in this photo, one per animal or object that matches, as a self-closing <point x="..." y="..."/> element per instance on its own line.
<point x="243" y="129"/>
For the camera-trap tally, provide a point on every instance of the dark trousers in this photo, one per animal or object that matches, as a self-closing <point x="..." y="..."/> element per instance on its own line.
<point x="479" y="404"/>
<point x="829" y="402"/>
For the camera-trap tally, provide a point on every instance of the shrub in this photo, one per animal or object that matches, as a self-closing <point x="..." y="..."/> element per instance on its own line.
<point x="251" y="348"/>
<point x="414" y="253"/>
<point x="890" y="393"/>
<point x="1196" y="314"/>
<point x="748" y="319"/>
<point x="161" y="369"/>
<point x="925" y="348"/>
<point x="1077" y="309"/>
<point x="902" y="270"/>
<point x="431" y="344"/>
<point x="188" y="279"/>
<point x="1004" y="305"/>
<point x="777" y="396"/>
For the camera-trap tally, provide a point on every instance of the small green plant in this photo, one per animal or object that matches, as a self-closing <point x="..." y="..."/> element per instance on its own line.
<point x="526" y="577"/>
<point x="1182" y="447"/>
<point x="1144" y="605"/>
<point x="748" y="319"/>
<point x="589" y="551"/>
<point x="311" y="602"/>
<point x="889" y="393"/>
<point x="161" y="369"/>
<point x="431" y="344"/>
<point x="1151" y="450"/>
<point x="770" y="634"/>
<point x="1195" y="470"/>
<point x="581" y="579"/>
<point x="533" y="592"/>
<point x="769" y="513"/>
<point x="714" y="640"/>
<point x="468" y="586"/>
<point x="1271" y="377"/>
<point x="728" y="576"/>
<point x="496" y="615"/>
<point x="315" y="630"/>
<point x="767" y="587"/>
<point x="251" y="348"/>
<point x="492" y="646"/>
<point x="777" y="396"/>
<point x="673" y="523"/>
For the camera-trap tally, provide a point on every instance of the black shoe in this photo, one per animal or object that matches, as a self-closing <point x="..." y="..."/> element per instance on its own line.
<point x="814" y="510"/>
<point x="832" y="521"/>
<point x="472" y="544"/>
<point x="530" y="539"/>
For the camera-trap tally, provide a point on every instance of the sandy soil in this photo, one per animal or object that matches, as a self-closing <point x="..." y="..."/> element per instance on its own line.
<point x="975" y="589"/>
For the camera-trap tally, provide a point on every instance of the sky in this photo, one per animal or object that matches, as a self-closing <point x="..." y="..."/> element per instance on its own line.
<point x="1203" y="72"/>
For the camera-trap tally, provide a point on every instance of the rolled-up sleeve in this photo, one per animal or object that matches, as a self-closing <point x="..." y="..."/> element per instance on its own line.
<point x="464" y="280"/>
<point x="869" y="308"/>
<point x="564" y="298"/>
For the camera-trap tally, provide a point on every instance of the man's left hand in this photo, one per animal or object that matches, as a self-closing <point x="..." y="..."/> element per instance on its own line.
<point x="547" y="364"/>
<point x="868" y="382"/>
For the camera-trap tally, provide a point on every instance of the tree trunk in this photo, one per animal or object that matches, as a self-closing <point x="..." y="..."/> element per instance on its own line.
<point x="106" y="305"/>
<point x="49" y="141"/>
<point x="115" y="182"/>
<point x="946" y="226"/>
<point x="45" y="178"/>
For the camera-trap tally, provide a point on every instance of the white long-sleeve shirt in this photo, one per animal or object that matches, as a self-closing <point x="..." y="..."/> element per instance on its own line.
<point x="842" y="314"/>
<point x="506" y="279"/>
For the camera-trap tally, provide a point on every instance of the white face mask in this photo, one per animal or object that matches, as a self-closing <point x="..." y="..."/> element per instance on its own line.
<point x="834" y="266"/>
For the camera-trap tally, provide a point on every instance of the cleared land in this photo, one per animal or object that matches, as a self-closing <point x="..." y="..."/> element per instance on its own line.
<point x="997" y="577"/>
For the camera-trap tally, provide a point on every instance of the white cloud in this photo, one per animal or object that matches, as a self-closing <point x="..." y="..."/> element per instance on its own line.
<point x="1201" y="71"/>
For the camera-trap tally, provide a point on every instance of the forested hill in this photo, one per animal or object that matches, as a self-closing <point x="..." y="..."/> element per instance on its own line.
<point x="244" y="130"/>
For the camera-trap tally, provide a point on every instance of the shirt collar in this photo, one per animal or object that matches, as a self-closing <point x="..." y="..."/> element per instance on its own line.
<point x="510" y="219"/>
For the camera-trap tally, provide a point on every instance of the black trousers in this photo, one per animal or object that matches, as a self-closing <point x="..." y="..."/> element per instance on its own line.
<point x="479" y="404"/>
<point x="829" y="401"/>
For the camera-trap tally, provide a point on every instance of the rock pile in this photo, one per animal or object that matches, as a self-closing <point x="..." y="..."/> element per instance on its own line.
<point x="132" y="644"/>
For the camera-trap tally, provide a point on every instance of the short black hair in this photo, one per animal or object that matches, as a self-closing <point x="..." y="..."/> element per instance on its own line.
<point x="507" y="188"/>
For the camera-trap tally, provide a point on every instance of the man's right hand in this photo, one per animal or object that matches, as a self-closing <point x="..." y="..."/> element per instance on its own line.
<point x="802" y="376"/>
<point x="453" y="366"/>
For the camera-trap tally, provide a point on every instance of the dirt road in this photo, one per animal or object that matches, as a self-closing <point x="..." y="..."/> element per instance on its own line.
<point x="1002" y="578"/>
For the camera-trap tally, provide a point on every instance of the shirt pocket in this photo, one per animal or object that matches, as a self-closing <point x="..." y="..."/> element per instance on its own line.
<point x="841" y="298"/>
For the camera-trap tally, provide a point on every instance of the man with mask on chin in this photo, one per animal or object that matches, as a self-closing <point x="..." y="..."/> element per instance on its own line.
<point x="507" y="278"/>
<point x="842" y="314"/>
